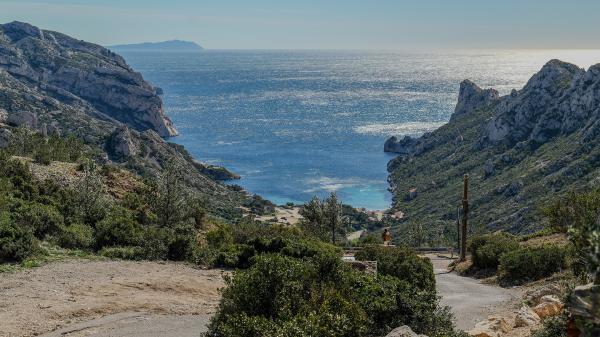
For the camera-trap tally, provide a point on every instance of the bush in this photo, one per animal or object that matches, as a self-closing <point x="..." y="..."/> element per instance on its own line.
<point x="531" y="264"/>
<point x="401" y="263"/>
<point x="125" y="253"/>
<point x="321" y="296"/>
<point x="42" y="219"/>
<point x="76" y="236"/>
<point x="486" y="250"/>
<point x="155" y="243"/>
<point x="16" y="242"/>
<point x="118" y="229"/>
<point x="553" y="327"/>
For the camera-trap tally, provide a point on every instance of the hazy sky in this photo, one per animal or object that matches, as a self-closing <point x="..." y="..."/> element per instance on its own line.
<point x="321" y="24"/>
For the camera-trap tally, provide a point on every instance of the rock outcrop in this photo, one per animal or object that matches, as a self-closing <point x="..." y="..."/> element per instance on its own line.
<point x="403" y="331"/>
<point x="471" y="98"/>
<point x="526" y="317"/>
<point x="55" y="84"/>
<point x="520" y="150"/>
<point x="62" y="66"/>
<point x="492" y="327"/>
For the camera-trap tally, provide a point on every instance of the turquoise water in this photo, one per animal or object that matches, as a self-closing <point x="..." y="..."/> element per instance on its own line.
<point x="295" y="124"/>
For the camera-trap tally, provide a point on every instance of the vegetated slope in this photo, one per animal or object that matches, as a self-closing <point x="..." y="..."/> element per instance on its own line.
<point x="520" y="151"/>
<point x="53" y="83"/>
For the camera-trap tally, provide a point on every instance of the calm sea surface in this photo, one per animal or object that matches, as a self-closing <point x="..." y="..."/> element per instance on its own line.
<point x="295" y="124"/>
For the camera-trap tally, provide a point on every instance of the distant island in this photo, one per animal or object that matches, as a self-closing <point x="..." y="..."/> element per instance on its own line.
<point x="171" y="45"/>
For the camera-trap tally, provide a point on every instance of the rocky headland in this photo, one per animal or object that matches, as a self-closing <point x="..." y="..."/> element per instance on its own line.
<point x="520" y="150"/>
<point x="57" y="84"/>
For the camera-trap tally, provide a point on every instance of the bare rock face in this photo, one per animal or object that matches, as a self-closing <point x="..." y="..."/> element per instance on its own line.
<point x="22" y="118"/>
<point x="471" y="97"/>
<point x="3" y="116"/>
<point x="406" y="145"/>
<point x="560" y="99"/>
<point x="121" y="143"/>
<point x="526" y="317"/>
<point x="549" y="306"/>
<point x="492" y="327"/>
<point x="65" y="66"/>
<point x="403" y="331"/>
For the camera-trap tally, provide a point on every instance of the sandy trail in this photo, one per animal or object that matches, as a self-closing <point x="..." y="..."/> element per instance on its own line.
<point x="470" y="300"/>
<point x="91" y="298"/>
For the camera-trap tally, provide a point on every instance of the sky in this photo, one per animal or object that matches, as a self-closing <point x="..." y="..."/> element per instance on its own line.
<point x="322" y="24"/>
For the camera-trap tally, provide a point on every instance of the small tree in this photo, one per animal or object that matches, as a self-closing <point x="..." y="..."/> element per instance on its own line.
<point x="90" y="196"/>
<point x="333" y="215"/>
<point x="322" y="218"/>
<point x="171" y="198"/>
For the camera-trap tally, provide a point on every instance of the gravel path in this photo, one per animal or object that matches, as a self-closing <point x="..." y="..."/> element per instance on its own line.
<point x="101" y="298"/>
<point x="470" y="300"/>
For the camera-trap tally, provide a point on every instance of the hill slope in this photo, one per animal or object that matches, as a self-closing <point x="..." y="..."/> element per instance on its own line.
<point x="520" y="151"/>
<point x="53" y="83"/>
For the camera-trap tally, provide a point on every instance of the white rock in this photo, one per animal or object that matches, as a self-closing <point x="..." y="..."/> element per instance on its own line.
<point x="526" y="317"/>
<point x="403" y="331"/>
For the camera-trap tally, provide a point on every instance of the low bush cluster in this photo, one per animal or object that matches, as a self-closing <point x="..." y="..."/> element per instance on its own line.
<point x="486" y="250"/>
<point x="401" y="263"/>
<point x="280" y="295"/>
<point x="531" y="263"/>
<point x="84" y="217"/>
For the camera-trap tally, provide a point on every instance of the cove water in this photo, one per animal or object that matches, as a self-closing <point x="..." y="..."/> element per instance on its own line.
<point x="295" y="124"/>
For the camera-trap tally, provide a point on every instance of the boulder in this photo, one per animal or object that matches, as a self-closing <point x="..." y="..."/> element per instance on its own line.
<point x="549" y="306"/>
<point x="3" y="116"/>
<point x="526" y="317"/>
<point x="407" y="145"/>
<point x="492" y="327"/>
<point x="488" y="168"/>
<point x="121" y="144"/>
<point x="23" y="118"/>
<point x="4" y="137"/>
<point x="403" y="331"/>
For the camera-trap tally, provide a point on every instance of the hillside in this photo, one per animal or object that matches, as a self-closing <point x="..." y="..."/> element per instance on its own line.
<point x="55" y="84"/>
<point x="520" y="151"/>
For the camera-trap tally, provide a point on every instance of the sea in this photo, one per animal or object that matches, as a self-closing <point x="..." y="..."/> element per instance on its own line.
<point x="299" y="123"/>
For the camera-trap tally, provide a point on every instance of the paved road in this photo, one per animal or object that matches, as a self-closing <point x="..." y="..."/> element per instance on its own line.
<point x="470" y="300"/>
<point x="131" y="324"/>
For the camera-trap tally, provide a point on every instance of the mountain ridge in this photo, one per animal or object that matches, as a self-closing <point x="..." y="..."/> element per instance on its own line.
<point x="519" y="149"/>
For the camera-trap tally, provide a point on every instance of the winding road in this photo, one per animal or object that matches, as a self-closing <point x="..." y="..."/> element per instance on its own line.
<point x="470" y="300"/>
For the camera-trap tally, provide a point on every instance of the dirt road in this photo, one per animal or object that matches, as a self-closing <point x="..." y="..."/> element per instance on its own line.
<point x="85" y="298"/>
<point x="470" y="300"/>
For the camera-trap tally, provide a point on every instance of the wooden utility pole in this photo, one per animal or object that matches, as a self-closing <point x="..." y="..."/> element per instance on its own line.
<point x="463" y="232"/>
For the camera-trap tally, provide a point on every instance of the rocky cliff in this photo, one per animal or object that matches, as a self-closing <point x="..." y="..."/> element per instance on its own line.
<point x="58" y="65"/>
<point x="56" y="84"/>
<point x="520" y="150"/>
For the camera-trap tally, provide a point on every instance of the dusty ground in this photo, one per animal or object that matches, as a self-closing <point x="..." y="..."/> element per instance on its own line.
<point x="92" y="298"/>
<point x="288" y="216"/>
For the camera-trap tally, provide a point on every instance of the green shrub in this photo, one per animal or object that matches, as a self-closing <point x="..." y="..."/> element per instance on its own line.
<point x="486" y="250"/>
<point x="401" y="263"/>
<point x="42" y="219"/>
<point x="182" y="243"/>
<point x="118" y="229"/>
<point x="76" y="236"/>
<point x="530" y="264"/>
<point x="321" y="296"/>
<point x="125" y="253"/>
<point x="16" y="242"/>
<point x="553" y="327"/>
<point x="155" y="243"/>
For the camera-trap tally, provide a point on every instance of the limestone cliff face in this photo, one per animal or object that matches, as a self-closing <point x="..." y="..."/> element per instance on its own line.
<point x="521" y="151"/>
<point x="55" y="84"/>
<point x="62" y="66"/>
<point x="558" y="100"/>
